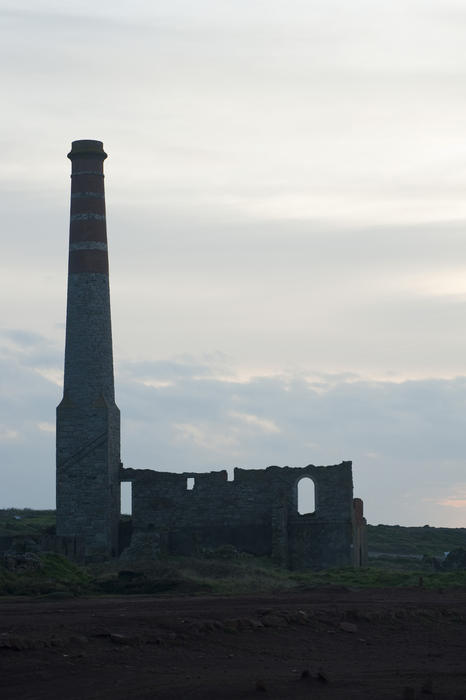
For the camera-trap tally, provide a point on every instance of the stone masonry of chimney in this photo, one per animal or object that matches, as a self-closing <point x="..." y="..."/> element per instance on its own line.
<point x="88" y="420"/>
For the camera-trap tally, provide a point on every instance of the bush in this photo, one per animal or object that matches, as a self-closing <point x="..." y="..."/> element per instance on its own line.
<point x="51" y="573"/>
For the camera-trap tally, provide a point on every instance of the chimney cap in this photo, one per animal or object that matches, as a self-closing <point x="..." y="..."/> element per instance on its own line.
<point x="86" y="148"/>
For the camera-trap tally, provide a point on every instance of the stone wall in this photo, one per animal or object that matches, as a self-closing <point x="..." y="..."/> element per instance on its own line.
<point x="359" y="534"/>
<point x="88" y="489"/>
<point x="70" y="547"/>
<point x="88" y="420"/>
<point x="256" y="512"/>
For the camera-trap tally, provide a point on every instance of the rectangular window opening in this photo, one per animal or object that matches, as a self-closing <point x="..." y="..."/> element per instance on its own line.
<point x="190" y="483"/>
<point x="126" y="503"/>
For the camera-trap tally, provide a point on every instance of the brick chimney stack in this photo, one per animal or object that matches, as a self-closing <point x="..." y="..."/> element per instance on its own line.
<point x="88" y="420"/>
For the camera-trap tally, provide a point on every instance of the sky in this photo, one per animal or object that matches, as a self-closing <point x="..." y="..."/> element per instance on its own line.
<point x="286" y="217"/>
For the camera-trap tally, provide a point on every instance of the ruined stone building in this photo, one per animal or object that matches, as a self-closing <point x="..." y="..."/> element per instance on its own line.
<point x="256" y="512"/>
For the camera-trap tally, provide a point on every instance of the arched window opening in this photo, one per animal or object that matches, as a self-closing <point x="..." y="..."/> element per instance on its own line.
<point x="306" y="496"/>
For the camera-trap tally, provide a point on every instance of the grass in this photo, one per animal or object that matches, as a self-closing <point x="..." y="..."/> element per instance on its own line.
<point x="431" y="541"/>
<point x="252" y="575"/>
<point x="195" y="575"/>
<point x="201" y="576"/>
<point x="217" y="574"/>
<point x="26" y="522"/>
<point x="372" y="577"/>
<point x="48" y="573"/>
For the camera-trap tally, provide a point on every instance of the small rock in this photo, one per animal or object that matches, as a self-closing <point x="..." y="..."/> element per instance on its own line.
<point x="256" y="624"/>
<point x="322" y="676"/>
<point x="302" y="617"/>
<point x="298" y="616"/>
<point x="21" y="643"/>
<point x="57" y="595"/>
<point x="273" y="621"/>
<point x="16" y="643"/>
<point x="427" y="687"/>
<point x="231" y="626"/>
<point x="197" y="627"/>
<point x="124" y="639"/>
<point x="246" y="623"/>
<point x="57" y="641"/>
<point x="348" y="627"/>
<point x="209" y="626"/>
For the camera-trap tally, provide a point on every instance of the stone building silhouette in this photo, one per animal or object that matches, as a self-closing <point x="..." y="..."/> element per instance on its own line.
<point x="256" y="512"/>
<point x="88" y="420"/>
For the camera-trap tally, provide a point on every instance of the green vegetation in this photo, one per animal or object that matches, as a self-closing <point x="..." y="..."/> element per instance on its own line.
<point x="223" y="571"/>
<point x="43" y="574"/>
<point x="246" y="574"/>
<point x="26" y="522"/>
<point x="209" y="574"/>
<point x="430" y="541"/>
<point x="53" y="575"/>
<point x="372" y="577"/>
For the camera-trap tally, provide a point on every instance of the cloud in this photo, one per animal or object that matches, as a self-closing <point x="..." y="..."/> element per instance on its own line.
<point x="266" y="194"/>
<point x="32" y="350"/>
<point x="46" y="427"/>
<point x="207" y="437"/>
<point x="263" y="424"/>
<point x="454" y="503"/>
<point x="52" y="375"/>
<point x="23" y="339"/>
<point x="262" y="205"/>
<point x="456" y="498"/>
<point x="7" y="434"/>
<point x="404" y="437"/>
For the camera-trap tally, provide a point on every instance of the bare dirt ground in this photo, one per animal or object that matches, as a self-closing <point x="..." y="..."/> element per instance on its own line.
<point x="319" y="644"/>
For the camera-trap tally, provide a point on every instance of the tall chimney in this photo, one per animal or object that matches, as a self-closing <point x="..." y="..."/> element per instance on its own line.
<point x="88" y="420"/>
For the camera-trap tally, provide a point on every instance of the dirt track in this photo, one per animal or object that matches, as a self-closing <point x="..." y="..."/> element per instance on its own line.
<point x="328" y="643"/>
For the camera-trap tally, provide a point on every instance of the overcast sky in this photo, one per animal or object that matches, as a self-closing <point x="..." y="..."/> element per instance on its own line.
<point x="286" y="211"/>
